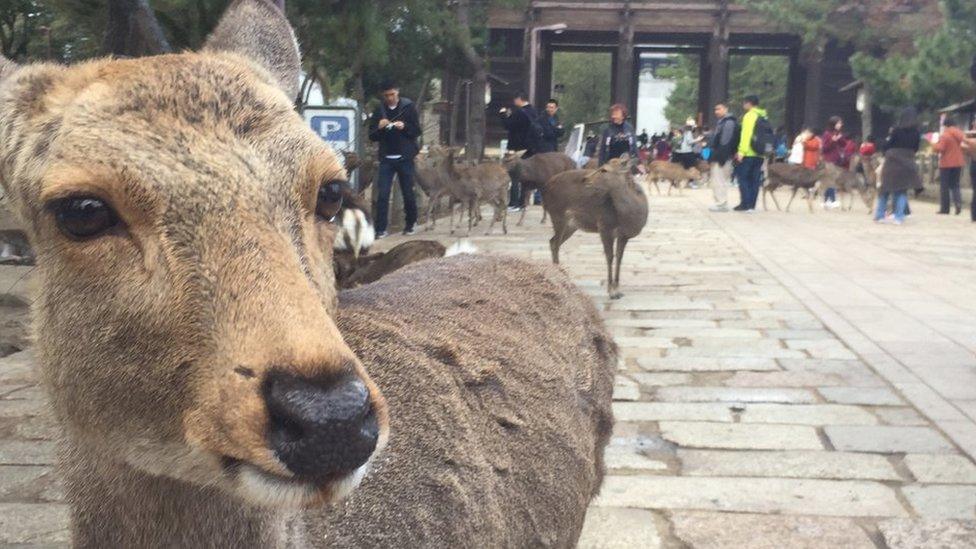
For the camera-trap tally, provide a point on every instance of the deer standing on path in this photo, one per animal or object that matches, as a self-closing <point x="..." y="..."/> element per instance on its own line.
<point x="190" y="337"/>
<point x="794" y="176"/>
<point x="606" y="201"/>
<point x="533" y="173"/>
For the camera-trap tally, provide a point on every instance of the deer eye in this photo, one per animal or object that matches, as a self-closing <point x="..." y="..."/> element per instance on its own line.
<point x="83" y="217"/>
<point x="329" y="200"/>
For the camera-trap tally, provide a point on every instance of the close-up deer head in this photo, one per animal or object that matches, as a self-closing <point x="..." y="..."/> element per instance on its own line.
<point x="181" y="213"/>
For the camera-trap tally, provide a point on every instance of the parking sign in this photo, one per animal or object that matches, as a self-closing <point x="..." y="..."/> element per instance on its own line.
<point x="338" y="126"/>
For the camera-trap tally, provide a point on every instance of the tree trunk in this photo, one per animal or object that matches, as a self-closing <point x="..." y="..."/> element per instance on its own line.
<point x="475" y="134"/>
<point x="867" y="115"/>
<point x="133" y="30"/>
<point x="812" y="60"/>
<point x="455" y="113"/>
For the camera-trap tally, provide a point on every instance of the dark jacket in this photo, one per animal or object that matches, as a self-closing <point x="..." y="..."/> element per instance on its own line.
<point x="394" y="142"/>
<point x="521" y="133"/>
<point x="724" y="140"/>
<point x="552" y="131"/>
<point x="617" y="140"/>
<point x="900" y="172"/>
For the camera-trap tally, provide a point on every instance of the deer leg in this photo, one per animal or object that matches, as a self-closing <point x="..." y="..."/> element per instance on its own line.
<point x="792" y="196"/>
<point x="526" y="198"/>
<point x="471" y="207"/>
<point x="432" y="204"/>
<point x="606" y="236"/>
<point x="621" y="244"/>
<point x="810" y="198"/>
<point x="657" y="185"/>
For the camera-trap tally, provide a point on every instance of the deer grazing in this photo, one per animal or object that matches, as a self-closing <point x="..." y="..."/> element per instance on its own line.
<point x="190" y="336"/>
<point x="794" y="176"/>
<point x="533" y="173"/>
<point x="606" y="201"/>
<point x="672" y="172"/>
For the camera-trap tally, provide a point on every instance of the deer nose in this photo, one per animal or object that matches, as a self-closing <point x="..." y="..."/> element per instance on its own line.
<point x="321" y="429"/>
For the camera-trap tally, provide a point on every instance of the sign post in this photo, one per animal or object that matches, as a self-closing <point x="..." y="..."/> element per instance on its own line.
<point x="339" y="127"/>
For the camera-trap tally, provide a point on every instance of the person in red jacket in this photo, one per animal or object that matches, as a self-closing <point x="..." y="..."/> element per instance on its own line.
<point x="811" y="151"/>
<point x="834" y="145"/>
<point x="951" y="160"/>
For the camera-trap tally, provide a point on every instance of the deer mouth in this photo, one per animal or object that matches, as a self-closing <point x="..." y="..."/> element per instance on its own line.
<point x="267" y="489"/>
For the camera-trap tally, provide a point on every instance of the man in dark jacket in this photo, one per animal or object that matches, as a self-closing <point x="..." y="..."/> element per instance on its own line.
<point x="723" y="142"/>
<point x="523" y="127"/>
<point x="552" y="129"/>
<point x="395" y="125"/>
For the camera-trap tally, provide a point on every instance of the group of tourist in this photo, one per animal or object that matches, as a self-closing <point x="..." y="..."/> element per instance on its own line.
<point x="736" y="150"/>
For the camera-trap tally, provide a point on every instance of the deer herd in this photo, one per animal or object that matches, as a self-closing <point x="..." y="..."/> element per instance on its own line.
<point x="214" y="386"/>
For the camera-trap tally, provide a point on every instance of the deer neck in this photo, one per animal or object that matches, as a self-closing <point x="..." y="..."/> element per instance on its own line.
<point x="115" y="505"/>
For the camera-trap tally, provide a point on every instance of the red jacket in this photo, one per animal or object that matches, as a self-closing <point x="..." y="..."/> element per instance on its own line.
<point x="950" y="148"/>
<point x="811" y="153"/>
<point x="868" y="149"/>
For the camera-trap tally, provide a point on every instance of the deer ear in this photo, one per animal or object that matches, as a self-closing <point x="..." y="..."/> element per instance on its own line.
<point x="258" y="30"/>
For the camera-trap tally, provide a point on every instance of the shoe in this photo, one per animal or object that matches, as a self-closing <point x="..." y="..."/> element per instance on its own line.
<point x="958" y="210"/>
<point x="381" y="234"/>
<point x="408" y="232"/>
<point x="719" y="208"/>
<point x="740" y="208"/>
<point x="940" y="212"/>
<point x="751" y="211"/>
<point x="834" y="205"/>
<point x="514" y="208"/>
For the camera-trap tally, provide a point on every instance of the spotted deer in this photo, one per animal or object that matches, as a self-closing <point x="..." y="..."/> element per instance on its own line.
<point x="213" y="386"/>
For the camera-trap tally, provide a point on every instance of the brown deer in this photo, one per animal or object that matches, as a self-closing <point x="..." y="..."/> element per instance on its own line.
<point x="794" y="176"/>
<point x="672" y="172"/>
<point x="533" y="173"/>
<point x="606" y="201"/>
<point x="847" y="182"/>
<point x="475" y="183"/>
<point x="190" y="337"/>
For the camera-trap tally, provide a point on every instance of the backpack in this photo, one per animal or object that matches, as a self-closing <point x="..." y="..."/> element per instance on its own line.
<point x="763" y="137"/>
<point x="536" y="132"/>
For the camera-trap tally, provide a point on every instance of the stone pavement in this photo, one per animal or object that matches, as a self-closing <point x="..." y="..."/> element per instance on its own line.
<point x="786" y="380"/>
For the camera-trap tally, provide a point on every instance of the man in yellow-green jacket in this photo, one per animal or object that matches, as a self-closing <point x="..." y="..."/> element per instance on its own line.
<point x="750" y="161"/>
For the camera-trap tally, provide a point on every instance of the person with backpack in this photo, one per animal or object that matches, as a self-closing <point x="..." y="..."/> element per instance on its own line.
<point x="756" y="140"/>
<point x="524" y="134"/>
<point x="722" y="143"/>
<point x="618" y="138"/>
<point x="835" y="145"/>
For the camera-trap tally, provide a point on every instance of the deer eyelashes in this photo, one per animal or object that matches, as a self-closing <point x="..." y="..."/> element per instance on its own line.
<point x="329" y="199"/>
<point x="83" y="217"/>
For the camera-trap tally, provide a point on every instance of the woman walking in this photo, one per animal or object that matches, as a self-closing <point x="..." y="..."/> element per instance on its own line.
<point x="951" y="161"/>
<point x="900" y="173"/>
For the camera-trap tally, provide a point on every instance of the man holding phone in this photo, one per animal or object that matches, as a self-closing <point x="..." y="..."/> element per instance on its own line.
<point x="395" y="125"/>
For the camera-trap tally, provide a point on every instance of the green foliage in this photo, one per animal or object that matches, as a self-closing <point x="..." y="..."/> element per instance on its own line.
<point x="765" y="76"/>
<point x="762" y="75"/>
<point x="683" y="99"/>
<point x="585" y="77"/>
<point x="936" y="73"/>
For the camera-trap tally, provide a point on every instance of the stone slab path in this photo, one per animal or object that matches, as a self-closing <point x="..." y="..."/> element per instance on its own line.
<point x="786" y="380"/>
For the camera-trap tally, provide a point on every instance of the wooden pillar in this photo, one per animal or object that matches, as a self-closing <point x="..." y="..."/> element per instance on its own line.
<point x="624" y="82"/>
<point x="812" y="60"/>
<point x="716" y="83"/>
<point x="795" y="92"/>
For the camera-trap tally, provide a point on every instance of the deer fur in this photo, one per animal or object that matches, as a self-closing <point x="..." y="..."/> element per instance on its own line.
<point x="432" y="175"/>
<point x="500" y="398"/>
<point x="847" y="182"/>
<point x="533" y="173"/>
<point x="606" y="201"/>
<point x="672" y="172"/>
<point x="155" y="336"/>
<point x="794" y="176"/>
<point x="352" y="272"/>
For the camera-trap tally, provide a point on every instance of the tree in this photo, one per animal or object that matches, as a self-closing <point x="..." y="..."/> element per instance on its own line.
<point x="932" y="74"/>
<point x="585" y="77"/>
<point x="683" y="99"/>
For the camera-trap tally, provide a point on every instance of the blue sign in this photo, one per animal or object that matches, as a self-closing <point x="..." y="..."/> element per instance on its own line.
<point x="331" y="128"/>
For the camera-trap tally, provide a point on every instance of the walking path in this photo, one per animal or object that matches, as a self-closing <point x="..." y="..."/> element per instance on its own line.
<point x="787" y="380"/>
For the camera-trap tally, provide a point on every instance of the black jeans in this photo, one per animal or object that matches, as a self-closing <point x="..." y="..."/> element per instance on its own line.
<point x="404" y="170"/>
<point x="949" y="185"/>
<point x="972" y="179"/>
<point x="750" y="181"/>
